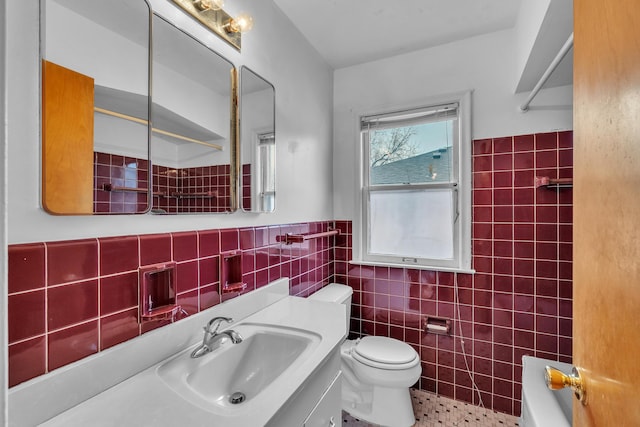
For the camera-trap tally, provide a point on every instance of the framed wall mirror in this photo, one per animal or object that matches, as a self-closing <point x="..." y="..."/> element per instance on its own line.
<point x="194" y="115"/>
<point x="95" y="106"/>
<point x="258" y="142"/>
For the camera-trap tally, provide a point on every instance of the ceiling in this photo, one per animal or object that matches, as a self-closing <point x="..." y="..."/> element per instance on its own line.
<point x="349" y="32"/>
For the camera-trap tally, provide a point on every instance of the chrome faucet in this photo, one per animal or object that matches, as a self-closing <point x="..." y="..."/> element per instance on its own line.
<point x="212" y="338"/>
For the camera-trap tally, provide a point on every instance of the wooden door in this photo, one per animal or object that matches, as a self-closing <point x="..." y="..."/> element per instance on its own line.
<point x="606" y="269"/>
<point x="67" y="140"/>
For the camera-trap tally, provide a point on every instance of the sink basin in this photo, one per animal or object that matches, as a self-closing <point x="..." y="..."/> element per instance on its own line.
<point x="233" y="376"/>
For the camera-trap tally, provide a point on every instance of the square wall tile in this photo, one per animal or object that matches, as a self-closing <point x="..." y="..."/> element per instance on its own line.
<point x="209" y="296"/>
<point x="26" y="315"/>
<point x="185" y="246"/>
<point x="118" y="328"/>
<point x="482" y="163"/>
<point x="482" y="146"/>
<point x="118" y="292"/>
<point x="155" y="249"/>
<point x="247" y="238"/>
<point x="261" y="237"/>
<point x="523" y="143"/>
<point x="546" y="141"/>
<point x="73" y="303"/>
<point x="27" y="360"/>
<point x="229" y="239"/>
<point x="189" y="301"/>
<point x="72" y="261"/>
<point x="26" y="267"/>
<point x="524" y="161"/>
<point x="118" y="254"/>
<point x="209" y="243"/>
<point x="503" y="145"/>
<point x="209" y="270"/>
<point x="71" y="344"/>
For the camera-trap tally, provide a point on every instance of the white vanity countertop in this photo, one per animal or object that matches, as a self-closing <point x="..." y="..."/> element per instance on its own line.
<point x="144" y="400"/>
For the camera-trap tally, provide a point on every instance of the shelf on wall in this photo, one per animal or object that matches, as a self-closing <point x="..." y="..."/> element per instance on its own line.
<point x="115" y="188"/>
<point x="201" y="195"/>
<point x="553" y="183"/>
<point x="134" y="107"/>
<point x="289" y="238"/>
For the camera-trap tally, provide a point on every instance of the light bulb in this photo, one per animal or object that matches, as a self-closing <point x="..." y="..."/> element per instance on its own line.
<point x="241" y="23"/>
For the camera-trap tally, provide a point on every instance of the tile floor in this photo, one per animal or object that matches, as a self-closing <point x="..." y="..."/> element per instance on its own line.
<point x="432" y="411"/>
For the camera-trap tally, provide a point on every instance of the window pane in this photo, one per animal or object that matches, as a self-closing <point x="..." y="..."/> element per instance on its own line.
<point x="416" y="224"/>
<point x="266" y="163"/>
<point x="268" y="202"/>
<point x="412" y="154"/>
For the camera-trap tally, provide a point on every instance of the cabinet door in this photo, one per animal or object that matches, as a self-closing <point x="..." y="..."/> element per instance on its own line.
<point x="328" y="411"/>
<point x="67" y="140"/>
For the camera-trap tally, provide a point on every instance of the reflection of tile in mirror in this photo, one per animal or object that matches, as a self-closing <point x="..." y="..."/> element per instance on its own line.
<point x="192" y="91"/>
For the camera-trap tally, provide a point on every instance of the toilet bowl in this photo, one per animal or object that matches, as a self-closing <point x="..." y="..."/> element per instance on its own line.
<point x="377" y="371"/>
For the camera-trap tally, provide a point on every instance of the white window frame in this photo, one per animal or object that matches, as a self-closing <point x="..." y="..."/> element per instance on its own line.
<point x="265" y="185"/>
<point x="461" y="262"/>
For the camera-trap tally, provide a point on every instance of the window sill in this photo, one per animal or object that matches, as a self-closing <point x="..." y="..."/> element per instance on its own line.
<point x="414" y="266"/>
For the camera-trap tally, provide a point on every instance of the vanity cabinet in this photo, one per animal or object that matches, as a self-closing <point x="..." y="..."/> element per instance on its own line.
<point x="328" y="410"/>
<point x="317" y="403"/>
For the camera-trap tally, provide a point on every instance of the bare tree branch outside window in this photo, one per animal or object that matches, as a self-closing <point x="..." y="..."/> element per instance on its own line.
<point x="391" y="145"/>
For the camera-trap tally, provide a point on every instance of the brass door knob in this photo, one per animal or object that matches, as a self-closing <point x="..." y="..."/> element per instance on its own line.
<point x="557" y="380"/>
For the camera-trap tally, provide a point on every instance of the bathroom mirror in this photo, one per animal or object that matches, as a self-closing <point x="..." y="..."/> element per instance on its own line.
<point x="258" y="142"/>
<point x="95" y="106"/>
<point x="194" y="141"/>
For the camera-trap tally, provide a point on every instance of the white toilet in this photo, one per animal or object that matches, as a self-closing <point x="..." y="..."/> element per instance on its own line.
<point x="377" y="371"/>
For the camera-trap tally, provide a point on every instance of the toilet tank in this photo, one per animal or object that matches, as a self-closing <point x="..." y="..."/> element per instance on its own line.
<point x="336" y="292"/>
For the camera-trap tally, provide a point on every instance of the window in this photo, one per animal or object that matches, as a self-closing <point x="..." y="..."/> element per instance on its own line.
<point x="265" y="173"/>
<point x="416" y="187"/>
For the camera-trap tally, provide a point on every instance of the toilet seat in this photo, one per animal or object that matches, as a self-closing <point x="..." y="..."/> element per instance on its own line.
<point x="385" y="353"/>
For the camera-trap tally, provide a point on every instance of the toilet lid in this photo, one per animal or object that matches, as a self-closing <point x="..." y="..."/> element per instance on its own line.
<point x="385" y="350"/>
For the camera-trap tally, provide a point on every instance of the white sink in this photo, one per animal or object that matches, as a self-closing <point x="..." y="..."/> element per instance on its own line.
<point x="240" y="372"/>
<point x="288" y="358"/>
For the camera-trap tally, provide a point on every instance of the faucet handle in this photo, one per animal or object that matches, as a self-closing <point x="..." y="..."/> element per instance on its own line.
<point x="218" y="320"/>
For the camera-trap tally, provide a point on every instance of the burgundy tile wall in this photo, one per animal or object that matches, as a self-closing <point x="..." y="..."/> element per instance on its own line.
<point x="119" y="171"/>
<point x="245" y="187"/>
<point x="202" y="189"/>
<point x="165" y="181"/>
<point x="518" y="302"/>
<point x="71" y="299"/>
<point x="207" y="189"/>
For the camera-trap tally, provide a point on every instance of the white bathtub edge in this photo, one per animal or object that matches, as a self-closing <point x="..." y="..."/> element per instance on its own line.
<point x="540" y="406"/>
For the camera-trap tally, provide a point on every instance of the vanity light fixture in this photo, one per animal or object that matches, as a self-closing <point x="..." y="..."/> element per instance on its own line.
<point x="208" y="4"/>
<point x="210" y="14"/>
<point x="240" y="24"/>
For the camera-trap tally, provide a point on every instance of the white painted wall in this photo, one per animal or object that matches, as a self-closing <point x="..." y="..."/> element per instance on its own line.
<point x="542" y="29"/>
<point x="274" y="49"/>
<point x="4" y="346"/>
<point x="190" y="99"/>
<point x="116" y="62"/>
<point x="485" y="64"/>
<point x="75" y="42"/>
<point x="530" y="19"/>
